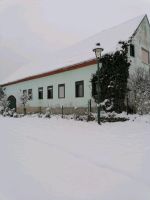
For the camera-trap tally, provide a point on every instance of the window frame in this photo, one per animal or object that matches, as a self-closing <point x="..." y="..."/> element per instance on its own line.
<point x="132" y="50"/>
<point x="94" y="88"/>
<point x="30" y="97"/>
<point x="60" y="85"/>
<point x="40" y="88"/>
<point x="143" y="49"/>
<point x="50" y="86"/>
<point x="24" y="92"/>
<point x="76" y="84"/>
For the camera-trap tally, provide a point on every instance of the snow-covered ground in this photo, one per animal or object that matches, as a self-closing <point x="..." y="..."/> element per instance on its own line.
<point x="59" y="159"/>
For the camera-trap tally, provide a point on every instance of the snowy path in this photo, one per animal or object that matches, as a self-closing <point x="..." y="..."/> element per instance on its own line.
<point x="67" y="160"/>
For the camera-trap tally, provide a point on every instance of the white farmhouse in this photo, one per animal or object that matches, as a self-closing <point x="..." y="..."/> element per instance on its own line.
<point x="66" y="81"/>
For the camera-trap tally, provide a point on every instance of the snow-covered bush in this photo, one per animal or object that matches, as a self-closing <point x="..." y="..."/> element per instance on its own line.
<point x="90" y="117"/>
<point x="40" y="115"/>
<point x="15" y="115"/>
<point x="4" y="103"/>
<point x="79" y="113"/>
<point x="1" y="92"/>
<point x="107" y="105"/>
<point x="9" y="112"/>
<point x="48" y="113"/>
<point x="139" y="91"/>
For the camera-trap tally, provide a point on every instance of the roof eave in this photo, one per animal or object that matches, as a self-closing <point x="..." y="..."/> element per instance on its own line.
<point x="60" y="70"/>
<point x="134" y="33"/>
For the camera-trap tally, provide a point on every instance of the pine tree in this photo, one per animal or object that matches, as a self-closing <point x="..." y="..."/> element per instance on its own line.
<point x="113" y="79"/>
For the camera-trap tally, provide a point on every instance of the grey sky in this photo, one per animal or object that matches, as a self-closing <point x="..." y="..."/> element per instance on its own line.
<point x="32" y="29"/>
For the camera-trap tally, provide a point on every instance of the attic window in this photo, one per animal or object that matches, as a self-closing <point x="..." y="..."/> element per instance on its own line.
<point x="145" y="56"/>
<point x="132" y="50"/>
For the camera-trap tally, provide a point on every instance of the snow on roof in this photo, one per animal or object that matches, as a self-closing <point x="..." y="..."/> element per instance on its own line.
<point x="81" y="51"/>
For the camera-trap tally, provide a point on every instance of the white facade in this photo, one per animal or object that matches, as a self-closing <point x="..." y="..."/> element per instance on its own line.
<point x="68" y="78"/>
<point x="140" y="40"/>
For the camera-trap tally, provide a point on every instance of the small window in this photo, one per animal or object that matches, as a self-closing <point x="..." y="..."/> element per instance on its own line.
<point x="30" y="94"/>
<point x="132" y="50"/>
<point x="79" y="88"/>
<point x="40" y="92"/>
<point x="61" y="91"/>
<point x="94" y="88"/>
<point x="50" y="92"/>
<point x="145" y="56"/>
<point x="24" y="92"/>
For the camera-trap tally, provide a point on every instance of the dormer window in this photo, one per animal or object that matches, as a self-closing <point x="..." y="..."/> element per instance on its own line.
<point x="132" y="50"/>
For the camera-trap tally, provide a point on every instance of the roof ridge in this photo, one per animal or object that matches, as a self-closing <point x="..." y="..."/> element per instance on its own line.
<point x="106" y="29"/>
<point x="125" y="22"/>
<point x="82" y="50"/>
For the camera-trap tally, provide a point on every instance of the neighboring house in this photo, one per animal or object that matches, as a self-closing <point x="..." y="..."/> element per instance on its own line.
<point x="66" y="81"/>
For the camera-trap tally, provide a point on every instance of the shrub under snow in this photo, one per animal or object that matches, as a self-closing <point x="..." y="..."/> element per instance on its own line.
<point x="139" y="96"/>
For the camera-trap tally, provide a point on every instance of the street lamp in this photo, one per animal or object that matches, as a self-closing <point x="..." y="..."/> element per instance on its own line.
<point x="98" y="51"/>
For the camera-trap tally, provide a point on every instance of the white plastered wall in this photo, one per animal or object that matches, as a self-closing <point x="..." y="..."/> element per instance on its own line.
<point x="68" y="78"/>
<point x="140" y="40"/>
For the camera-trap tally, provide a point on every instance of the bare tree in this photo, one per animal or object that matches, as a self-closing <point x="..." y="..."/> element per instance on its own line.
<point x="139" y="95"/>
<point x="4" y="103"/>
<point x="1" y="93"/>
<point x="24" y="99"/>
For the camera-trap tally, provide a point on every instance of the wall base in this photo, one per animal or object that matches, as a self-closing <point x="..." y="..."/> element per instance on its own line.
<point x="57" y="110"/>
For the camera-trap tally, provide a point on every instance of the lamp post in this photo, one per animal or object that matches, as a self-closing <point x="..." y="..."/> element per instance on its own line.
<point x="98" y="51"/>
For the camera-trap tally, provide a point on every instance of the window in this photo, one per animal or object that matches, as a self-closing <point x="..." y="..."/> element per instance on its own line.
<point x="24" y="92"/>
<point x="61" y="91"/>
<point x="30" y="94"/>
<point x="50" y="92"/>
<point x="132" y="50"/>
<point x="145" y="56"/>
<point x="94" y="88"/>
<point x="79" y="89"/>
<point x="40" y="92"/>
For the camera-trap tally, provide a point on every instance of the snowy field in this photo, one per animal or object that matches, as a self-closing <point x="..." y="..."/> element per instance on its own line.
<point x="61" y="159"/>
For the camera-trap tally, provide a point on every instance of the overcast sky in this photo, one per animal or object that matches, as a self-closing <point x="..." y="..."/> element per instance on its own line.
<point x="32" y="29"/>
